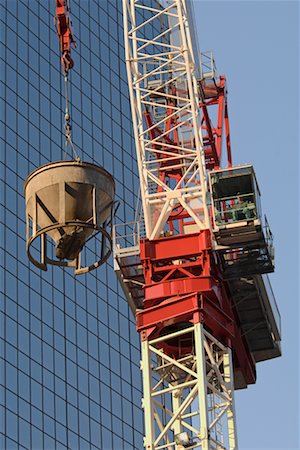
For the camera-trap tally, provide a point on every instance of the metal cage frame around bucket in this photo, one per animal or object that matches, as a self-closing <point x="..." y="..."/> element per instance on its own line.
<point x="92" y="227"/>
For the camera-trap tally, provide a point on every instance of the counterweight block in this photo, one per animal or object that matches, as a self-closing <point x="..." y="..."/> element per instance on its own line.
<point x="69" y="202"/>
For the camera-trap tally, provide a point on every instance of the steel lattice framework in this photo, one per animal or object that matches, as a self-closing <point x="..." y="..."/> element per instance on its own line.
<point x="198" y="387"/>
<point x="166" y="113"/>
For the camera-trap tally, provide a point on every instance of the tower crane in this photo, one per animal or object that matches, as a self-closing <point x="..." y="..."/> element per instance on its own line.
<point x="193" y="264"/>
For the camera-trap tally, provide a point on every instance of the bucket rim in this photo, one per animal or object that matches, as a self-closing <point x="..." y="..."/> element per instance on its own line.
<point x="55" y="164"/>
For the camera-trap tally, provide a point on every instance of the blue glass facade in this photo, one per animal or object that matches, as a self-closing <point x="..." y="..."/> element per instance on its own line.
<point x="70" y="376"/>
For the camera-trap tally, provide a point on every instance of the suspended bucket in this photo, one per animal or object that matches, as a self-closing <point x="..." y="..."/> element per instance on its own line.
<point x="68" y="203"/>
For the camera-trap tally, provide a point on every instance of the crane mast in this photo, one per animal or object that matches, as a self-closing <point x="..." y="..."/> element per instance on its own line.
<point x="187" y="370"/>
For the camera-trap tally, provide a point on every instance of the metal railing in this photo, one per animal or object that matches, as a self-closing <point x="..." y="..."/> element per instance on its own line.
<point x="235" y="209"/>
<point x="269" y="237"/>
<point x="208" y="67"/>
<point x="128" y="235"/>
<point x="273" y="304"/>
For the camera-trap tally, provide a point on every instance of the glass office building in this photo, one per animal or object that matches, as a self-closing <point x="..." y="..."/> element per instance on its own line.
<point x="70" y="376"/>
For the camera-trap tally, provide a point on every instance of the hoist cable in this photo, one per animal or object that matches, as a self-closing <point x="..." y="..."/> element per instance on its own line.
<point x="68" y="126"/>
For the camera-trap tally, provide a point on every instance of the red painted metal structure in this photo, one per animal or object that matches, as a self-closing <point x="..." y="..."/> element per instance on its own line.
<point x="65" y="34"/>
<point x="215" y="95"/>
<point x="183" y="281"/>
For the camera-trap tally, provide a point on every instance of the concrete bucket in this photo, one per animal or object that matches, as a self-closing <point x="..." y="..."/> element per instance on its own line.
<point x="69" y="202"/>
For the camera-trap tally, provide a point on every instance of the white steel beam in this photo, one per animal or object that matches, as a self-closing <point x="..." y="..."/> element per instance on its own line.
<point x="147" y="400"/>
<point x="228" y="371"/>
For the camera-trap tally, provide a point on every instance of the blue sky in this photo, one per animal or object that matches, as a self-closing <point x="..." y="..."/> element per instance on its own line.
<point x="256" y="45"/>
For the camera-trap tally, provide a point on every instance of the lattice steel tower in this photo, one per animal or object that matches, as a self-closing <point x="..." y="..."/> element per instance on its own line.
<point x="192" y="263"/>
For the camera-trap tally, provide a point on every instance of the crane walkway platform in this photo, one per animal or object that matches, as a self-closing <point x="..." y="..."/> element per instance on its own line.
<point x="129" y="271"/>
<point x="252" y="253"/>
<point x="254" y="302"/>
<point x="127" y="262"/>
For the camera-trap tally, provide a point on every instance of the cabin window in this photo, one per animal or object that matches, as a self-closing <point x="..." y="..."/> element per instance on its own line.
<point x="235" y="195"/>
